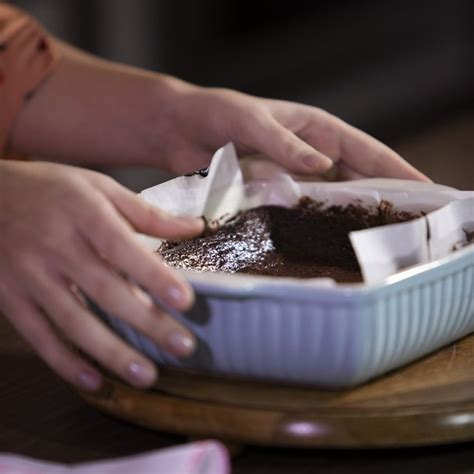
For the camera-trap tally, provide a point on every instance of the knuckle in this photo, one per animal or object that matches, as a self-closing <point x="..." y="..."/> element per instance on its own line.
<point x="101" y="286"/>
<point x="288" y="145"/>
<point x="92" y="224"/>
<point x="251" y="121"/>
<point x="104" y="347"/>
<point x="67" y="316"/>
<point x="157" y="277"/>
<point x="119" y="254"/>
<point x="46" y="347"/>
<point x="96" y="176"/>
<point x="153" y="324"/>
<point x="61" y="256"/>
<point x="151" y="271"/>
<point x="70" y="323"/>
<point x="97" y="220"/>
<point x="150" y="216"/>
<point x="40" y="340"/>
<point x="116" y="356"/>
<point x="106" y="238"/>
<point x="106" y="180"/>
<point x="110" y="354"/>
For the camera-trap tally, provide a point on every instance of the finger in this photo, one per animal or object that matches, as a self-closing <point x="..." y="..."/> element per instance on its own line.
<point x="90" y="335"/>
<point x="113" y="239"/>
<point x="149" y="219"/>
<point x="128" y="303"/>
<point x="268" y="136"/>
<point x="31" y="323"/>
<point x="371" y="158"/>
<point x="341" y="142"/>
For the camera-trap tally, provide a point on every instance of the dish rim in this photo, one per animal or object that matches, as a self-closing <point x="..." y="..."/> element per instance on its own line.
<point x="251" y="286"/>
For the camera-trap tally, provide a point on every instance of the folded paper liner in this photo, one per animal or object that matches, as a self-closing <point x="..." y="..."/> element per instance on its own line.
<point x="231" y="186"/>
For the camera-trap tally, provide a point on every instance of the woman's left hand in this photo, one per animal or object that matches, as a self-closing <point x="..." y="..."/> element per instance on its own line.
<point x="304" y="139"/>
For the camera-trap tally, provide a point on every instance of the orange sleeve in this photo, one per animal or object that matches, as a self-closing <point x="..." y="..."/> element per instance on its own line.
<point x="27" y="55"/>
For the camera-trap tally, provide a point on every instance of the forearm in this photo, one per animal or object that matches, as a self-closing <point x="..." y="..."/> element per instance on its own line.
<point x="94" y="111"/>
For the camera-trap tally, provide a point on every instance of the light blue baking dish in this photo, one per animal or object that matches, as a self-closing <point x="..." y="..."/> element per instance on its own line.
<point x="331" y="336"/>
<point x="309" y="331"/>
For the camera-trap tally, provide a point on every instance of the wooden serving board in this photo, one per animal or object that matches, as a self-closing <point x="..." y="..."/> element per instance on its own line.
<point x="428" y="402"/>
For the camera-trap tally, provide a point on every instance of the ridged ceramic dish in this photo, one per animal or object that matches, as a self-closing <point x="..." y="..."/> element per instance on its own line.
<point x="308" y="331"/>
<point x="335" y="337"/>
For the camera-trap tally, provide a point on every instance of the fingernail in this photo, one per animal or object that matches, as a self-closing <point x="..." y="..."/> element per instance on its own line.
<point x="194" y="222"/>
<point x="177" y="295"/>
<point x="89" y="380"/>
<point x="188" y="221"/>
<point x="181" y="342"/>
<point x="143" y="374"/>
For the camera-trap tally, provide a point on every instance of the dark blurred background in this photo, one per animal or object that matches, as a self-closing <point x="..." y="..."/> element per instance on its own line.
<point x="400" y="70"/>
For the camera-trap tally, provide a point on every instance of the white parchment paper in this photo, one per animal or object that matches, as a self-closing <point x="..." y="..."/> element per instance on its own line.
<point x="232" y="186"/>
<point x="449" y="227"/>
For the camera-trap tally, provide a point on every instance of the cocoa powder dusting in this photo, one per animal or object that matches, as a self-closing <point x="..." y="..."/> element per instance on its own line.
<point x="305" y="241"/>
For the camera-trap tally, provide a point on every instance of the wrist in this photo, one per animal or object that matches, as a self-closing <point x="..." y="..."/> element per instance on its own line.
<point x="166" y="99"/>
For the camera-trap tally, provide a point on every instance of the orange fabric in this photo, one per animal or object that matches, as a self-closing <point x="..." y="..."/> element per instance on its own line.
<point x="27" y="55"/>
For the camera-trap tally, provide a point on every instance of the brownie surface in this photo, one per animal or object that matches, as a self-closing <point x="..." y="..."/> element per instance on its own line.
<point x="305" y="241"/>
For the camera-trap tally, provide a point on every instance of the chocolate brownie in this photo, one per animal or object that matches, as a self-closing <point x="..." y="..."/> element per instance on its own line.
<point x="304" y="241"/>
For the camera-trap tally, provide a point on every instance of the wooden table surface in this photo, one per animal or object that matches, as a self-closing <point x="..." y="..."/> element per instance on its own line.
<point x="42" y="417"/>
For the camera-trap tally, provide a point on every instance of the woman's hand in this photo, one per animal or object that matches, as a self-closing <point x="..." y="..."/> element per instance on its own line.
<point x="64" y="229"/>
<point x="304" y="139"/>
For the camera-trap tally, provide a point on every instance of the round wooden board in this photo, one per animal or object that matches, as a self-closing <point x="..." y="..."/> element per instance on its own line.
<point x="428" y="402"/>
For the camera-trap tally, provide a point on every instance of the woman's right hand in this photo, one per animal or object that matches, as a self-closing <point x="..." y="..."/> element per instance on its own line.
<point x="64" y="229"/>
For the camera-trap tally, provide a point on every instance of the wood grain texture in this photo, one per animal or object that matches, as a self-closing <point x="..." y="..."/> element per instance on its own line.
<point x="428" y="402"/>
<point x="40" y="416"/>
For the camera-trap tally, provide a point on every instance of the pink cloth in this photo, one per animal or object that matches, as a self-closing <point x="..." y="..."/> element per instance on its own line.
<point x="205" y="457"/>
